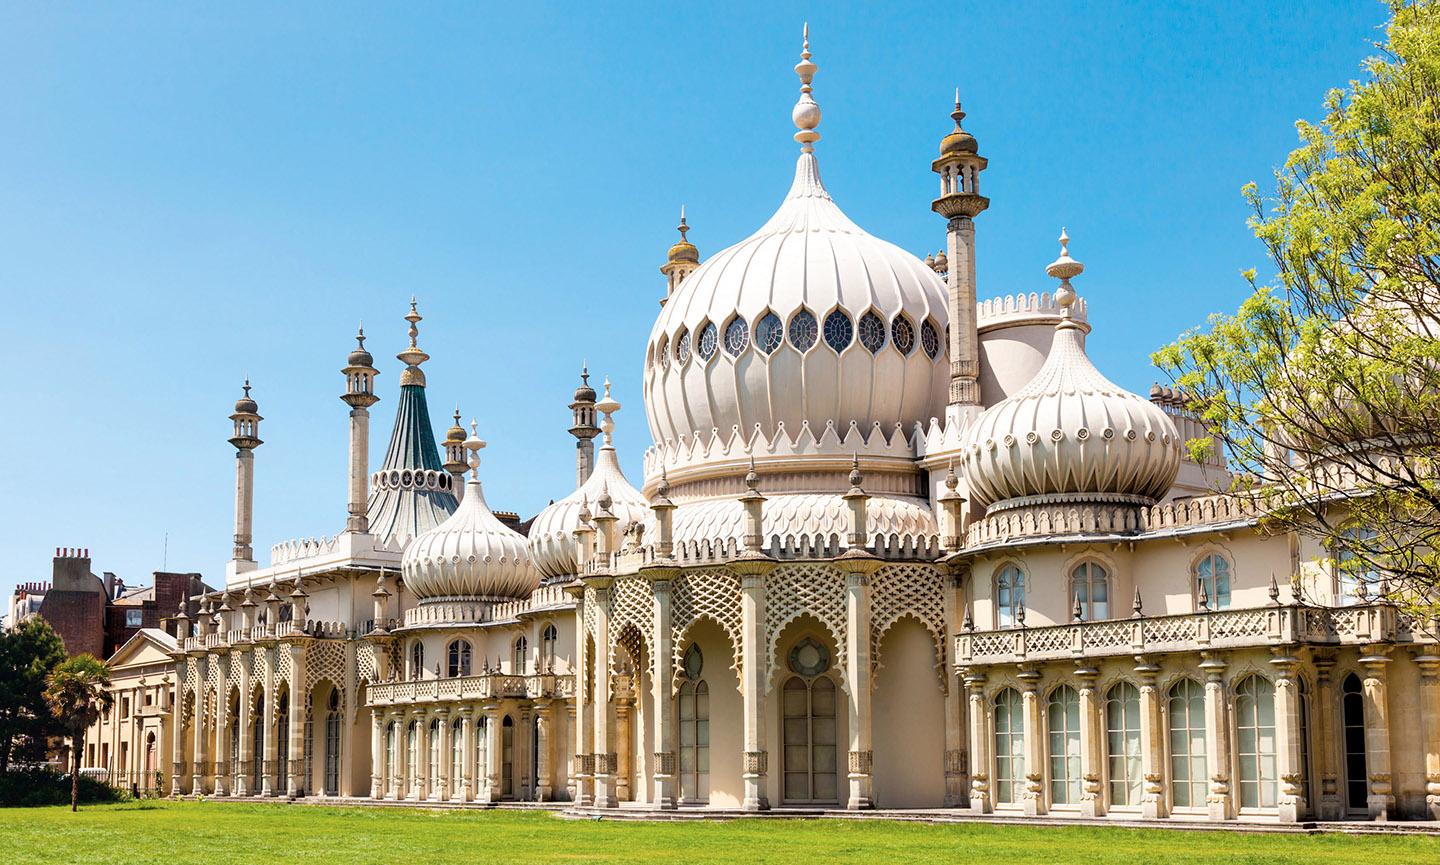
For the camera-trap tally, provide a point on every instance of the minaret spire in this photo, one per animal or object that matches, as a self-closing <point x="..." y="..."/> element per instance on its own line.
<point x="806" y="113"/>
<point x="246" y="439"/>
<point x="960" y="201"/>
<point x="583" y="428"/>
<point x="412" y="356"/>
<point x="682" y="260"/>
<point x="359" y="394"/>
<point x="455" y="455"/>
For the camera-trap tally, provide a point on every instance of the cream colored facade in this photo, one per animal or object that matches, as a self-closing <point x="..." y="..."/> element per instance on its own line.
<point x="130" y="744"/>
<point x="895" y="546"/>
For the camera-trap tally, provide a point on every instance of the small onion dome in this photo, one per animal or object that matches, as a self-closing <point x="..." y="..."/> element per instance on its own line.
<point x="456" y="434"/>
<point x="470" y="555"/>
<point x="361" y="357"/>
<point x="958" y="141"/>
<point x="1071" y="435"/>
<point x="552" y="532"/>
<point x="246" y="405"/>
<point x="684" y="250"/>
<point x="584" y="393"/>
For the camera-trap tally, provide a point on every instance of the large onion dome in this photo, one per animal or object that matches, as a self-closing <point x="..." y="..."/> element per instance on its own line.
<point x="472" y="555"/>
<point x="808" y="319"/>
<point x="1071" y="435"/>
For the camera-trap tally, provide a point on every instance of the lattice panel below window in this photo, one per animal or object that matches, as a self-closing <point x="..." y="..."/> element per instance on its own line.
<point x="798" y="590"/>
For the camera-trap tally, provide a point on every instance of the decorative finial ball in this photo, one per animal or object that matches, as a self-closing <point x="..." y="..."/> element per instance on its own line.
<point x="855" y="476"/>
<point x="806" y="113"/>
<point x="752" y="477"/>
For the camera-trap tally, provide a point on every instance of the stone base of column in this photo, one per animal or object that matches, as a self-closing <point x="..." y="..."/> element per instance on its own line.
<point x="979" y="800"/>
<point x="242" y="786"/>
<point x="377" y="788"/>
<point x="197" y="785"/>
<point x="1432" y="801"/>
<point x="862" y="791"/>
<point x="1217" y="808"/>
<point x="1152" y="808"/>
<point x="1032" y="804"/>
<point x="753" y="776"/>
<point x="1090" y="806"/>
<point x="665" y="780"/>
<point x="1380" y="805"/>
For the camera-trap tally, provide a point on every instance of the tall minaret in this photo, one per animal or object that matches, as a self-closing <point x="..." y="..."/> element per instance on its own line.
<point x="246" y="439"/>
<point x="359" y="394"/>
<point x="681" y="261"/>
<point x="959" y="167"/>
<point x="582" y="410"/>
<point x="455" y="456"/>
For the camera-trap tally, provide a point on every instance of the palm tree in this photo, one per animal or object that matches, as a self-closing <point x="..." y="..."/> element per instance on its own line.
<point x="78" y="691"/>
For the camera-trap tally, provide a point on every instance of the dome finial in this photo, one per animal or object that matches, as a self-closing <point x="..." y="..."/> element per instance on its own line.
<point x="412" y="356"/>
<point x="608" y="406"/>
<point x="474" y="444"/>
<point x="683" y="227"/>
<point x="806" y="113"/>
<point x="1063" y="269"/>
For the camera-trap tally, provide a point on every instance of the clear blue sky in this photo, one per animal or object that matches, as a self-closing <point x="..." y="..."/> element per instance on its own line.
<point x="190" y="192"/>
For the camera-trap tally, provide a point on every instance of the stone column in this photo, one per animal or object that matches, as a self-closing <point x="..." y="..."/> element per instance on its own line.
<point x="241" y="784"/>
<point x="425" y="786"/>
<point x="1092" y="794"/>
<point x="269" y="747"/>
<point x="980" y="801"/>
<point x="494" y="738"/>
<point x="544" y="744"/>
<point x="1219" y="802"/>
<point x="1381" y="799"/>
<point x="520" y="767"/>
<point x="1154" y="802"/>
<point x="296" y="783"/>
<point x="1034" y="799"/>
<point x="755" y="763"/>
<point x="222" y="729"/>
<point x="1288" y="745"/>
<point x="198" y="757"/>
<point x="442" y="765"/>
<point x="858" y="680"/>
<point x="661" y="675"/>
<point x="1325" y="738"/>
<point x="177" y="729"/>
<point x="580" y="707"/>
<point x="955" y="755"/>
<point x="605" y="760"/>
<point x="396" y="765"/>
<point x="1428" y="660"/>
<point x="467" y="758"/>
<point x="377" y="754"/>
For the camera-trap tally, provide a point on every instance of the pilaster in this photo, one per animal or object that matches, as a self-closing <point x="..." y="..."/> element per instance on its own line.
<point x="1288" y="766"/>
<point x="1428" y="659"/>
<point x="1381" y="799"/>
<point x="1219" y="803"/>
<point x="752" y="571"/>
<point x="1154" y="802"/>
<point x="1034" y="799"/>
<point x="1092" y="800"/>
<point x="660" y="681"/>
<point x="980" y="801"/>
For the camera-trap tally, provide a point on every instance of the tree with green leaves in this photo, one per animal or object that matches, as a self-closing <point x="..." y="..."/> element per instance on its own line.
<point x="27" y="655"/>
<point x="1324" y="388"/>
<point x="77" y="692"/>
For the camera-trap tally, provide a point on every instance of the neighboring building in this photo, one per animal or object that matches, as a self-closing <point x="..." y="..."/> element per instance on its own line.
<point x="98" y="614"/>
<point x="131" y="741"/>
<point x="894" y="546"/>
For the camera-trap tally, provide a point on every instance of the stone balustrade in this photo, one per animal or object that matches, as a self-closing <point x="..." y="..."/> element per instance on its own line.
<point x="235" y="636"/>
<point x="485" y="686"/>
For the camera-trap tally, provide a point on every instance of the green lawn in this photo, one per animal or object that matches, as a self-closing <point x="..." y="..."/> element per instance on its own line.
<point x="218" y="833"/>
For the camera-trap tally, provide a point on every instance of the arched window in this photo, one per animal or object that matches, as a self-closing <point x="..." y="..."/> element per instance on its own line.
<point x="1212" y="581"/>
<point x="1009" y="746"/>
<point x="769" y="332"/>
<point x="737" y="336"/>
<point x="1255" y="742"/>
<point x="803" y="330"/>
<point x="1090" y="586"/>
<point x="391" y="733"/>
<point x="457" y="658"/>
<point x="872" y="332"/>
<point x="332" y="744"/>
<point x="1009" y="596"/>
<point x="549" y="639"/>
<point x="1063" y="717"/>
<point x="282" y="740"/>
<point x="1122" y="744"/>
<point x="1352" y="710"/>
<point x="412" y="758"/>
<point x="432" y="758"/>
<point x="257" y="745"/>
<point x="709" y="339"/>
<point x="457" y="756"/>
<point x="808" y="704"/>
<point x="902" y="334"/>
<point x="482" y="753"/>
<point x="838" y="330"/>
<point x="519" y="663"/>
<point x="417" y="660"/>
<point x="507" y="757"/>
<point x="694" y="713"/>
<point x="929" y="339"/>
<point x="1188" y="786"/>
<point x="662" y="354"/>
<point x="1354" y="570"/>
<point x="682" y="346"/>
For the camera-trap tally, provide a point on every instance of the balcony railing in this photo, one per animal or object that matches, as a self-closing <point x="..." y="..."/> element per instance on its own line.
<point x="490" y="686"/>
<point x="1221" y="629"/>
<point x="319" y="630"/>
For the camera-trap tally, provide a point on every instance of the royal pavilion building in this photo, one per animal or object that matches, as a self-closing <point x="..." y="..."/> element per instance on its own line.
<point x="896" y="545"/>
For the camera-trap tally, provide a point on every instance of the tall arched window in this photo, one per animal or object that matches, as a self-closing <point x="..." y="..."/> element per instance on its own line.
<point x="412" y="759"/>
<point x="1352" y="711"/>
<point x="457" y="756"/>
<point x="1063" y="717"/>
<point x="1090" y="586"/>
<point x="433" y="757"/>
<point x="810" y="738"/>
<point x="1255" y="742"/>
<point x="391" y="734"/>
<point x="417" y="660"/>
<point x="1352" y="570"/>
<point x="549" y="640"/>
<point x="694" y="712"/>
<point x="519" y="662"/>
<point x="482" y="753"/>
<point x="1188" y="786"/>
<point x="1122" y="744"/>
<point x="332" y="744"/>
<point x="1009" y="596"/>
<point x="457" y="661"/>
<point x="507" y="757"/>
<point x="1212" y="581"/>
<point x="1009" y="746"/>
<point x="282" y="740"/>
<point x="257" y="745"/>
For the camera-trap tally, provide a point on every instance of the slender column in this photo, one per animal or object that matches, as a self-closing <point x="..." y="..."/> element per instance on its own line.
<point x="980" y="802"/>
<point x="572" y="787"/>
<point x="442" y="765"/>
<point x="244" y="507"/>
<point x="358" y="520"/>
<point x="177" y="729"/>
<point x="1325" y="737"/>
<point x="241" y="783"/>
<point x="1381" y="799"/>
<point x="493" y="742"/>
<point x="427" y="780"/>
<point x="605" y="760"/>
<point x="660" y="679"/>
<point x="467" y="753"/>
<point x="624" y="735"/>
<point x="580" y="772"/>
<point x="752" y="627"/>
<point x="1219" y="802"/>
<point x="299" y="707"/>
<point x="1034" y="800"/>
<point x="544" y="719"/>
<point x="1287" y="716"/>
<point x="955" y="755"/>
<point x="1428" y="660"/>
<point x="198" y="757"/>
<point x="1092" y="800"/>
<point x="857" y="681"/>
<point x="269" y="747"/>
<point x="222" y="730"/>
<point x="1153" y="801"/>
<point x="377" y="755"/>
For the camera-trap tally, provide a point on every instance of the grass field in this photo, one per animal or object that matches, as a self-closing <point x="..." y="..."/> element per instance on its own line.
<point x="217" y="833"/>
